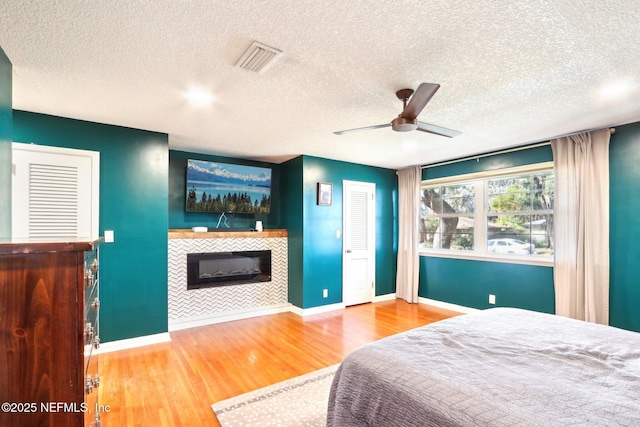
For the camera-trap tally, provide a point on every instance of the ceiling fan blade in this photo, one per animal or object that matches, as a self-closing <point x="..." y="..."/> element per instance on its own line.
<point x="342" y="132"/>
<point x="437" y="130"/>
<point x="419" y="100"/>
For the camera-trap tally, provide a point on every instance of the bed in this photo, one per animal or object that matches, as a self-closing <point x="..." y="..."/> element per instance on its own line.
<point x="497" y="367"/>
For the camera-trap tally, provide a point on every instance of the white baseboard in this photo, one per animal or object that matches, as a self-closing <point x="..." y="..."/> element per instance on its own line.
<point x="228" y="317"/>
<point x="385" y="297"/>
<point x="108" y="347"/>
<point x="331" y="307"/>
<point x="192" y="323"/>
<point x="316" y="310"/>
<point x="447" y="306"/>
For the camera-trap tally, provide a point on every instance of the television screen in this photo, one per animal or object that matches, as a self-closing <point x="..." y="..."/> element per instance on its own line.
<point x="225" y="187"/>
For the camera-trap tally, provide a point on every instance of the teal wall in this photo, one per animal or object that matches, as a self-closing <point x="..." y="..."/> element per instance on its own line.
<point x="491" y="162"/>
<point x="291" y="173"/>
<point x="468" y="283"/>
<point x="179" y="218"/>
<point x="133" y="203"/>
<point x="315" y="252"/>
<point x="6" y="125"/>
<point x="624" y="176"/>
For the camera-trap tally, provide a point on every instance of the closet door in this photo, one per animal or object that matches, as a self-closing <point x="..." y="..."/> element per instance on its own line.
<point x="358" y="261"/>
<point x="55" y="193"/>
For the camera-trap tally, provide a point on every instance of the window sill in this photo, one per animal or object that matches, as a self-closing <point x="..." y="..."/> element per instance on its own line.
<point x="541" y="260"/>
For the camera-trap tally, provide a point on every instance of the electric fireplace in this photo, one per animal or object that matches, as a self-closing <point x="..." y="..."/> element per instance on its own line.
<point x="227" y="268"/>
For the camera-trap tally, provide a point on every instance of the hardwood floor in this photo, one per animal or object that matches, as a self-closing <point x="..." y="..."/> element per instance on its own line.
<point x="175" y="383"/>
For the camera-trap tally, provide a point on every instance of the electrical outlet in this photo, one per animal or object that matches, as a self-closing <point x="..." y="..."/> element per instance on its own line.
<point x="108" y="236"/>
<point x="492" y="299"/>
<point x="325" y="293"/>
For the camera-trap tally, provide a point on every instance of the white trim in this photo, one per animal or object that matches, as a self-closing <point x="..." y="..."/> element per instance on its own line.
<point x="133" y="342"/>
<point x="540" y="260"/>
<point x="228" y="317"/>
<point x="447" y="306"/>
<point x="386" y="297"/>
<point x="93" y="156"/>
<point x="316" y="310"/>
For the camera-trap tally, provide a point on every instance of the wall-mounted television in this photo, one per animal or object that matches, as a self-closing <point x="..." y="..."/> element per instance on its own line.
<point x="226" y="187"/>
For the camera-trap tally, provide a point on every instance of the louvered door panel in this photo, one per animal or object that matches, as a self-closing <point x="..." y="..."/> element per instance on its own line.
<point x="53" y="201"/>
<point x="358" y="221"/>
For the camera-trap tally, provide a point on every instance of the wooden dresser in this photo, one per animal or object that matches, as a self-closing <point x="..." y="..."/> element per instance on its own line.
<point x="48" y="330"/>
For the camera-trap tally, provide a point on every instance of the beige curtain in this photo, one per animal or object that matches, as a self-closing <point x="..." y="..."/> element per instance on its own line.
<point x="581" y="215"/>
<point x="408" y="233"/>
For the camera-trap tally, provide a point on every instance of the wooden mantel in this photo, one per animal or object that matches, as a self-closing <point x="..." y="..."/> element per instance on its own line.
<point x="189" y="234"/>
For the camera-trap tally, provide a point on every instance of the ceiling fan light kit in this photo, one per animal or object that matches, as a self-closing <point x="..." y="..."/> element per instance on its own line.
<point x="402" y="124"/>
<point x="413" y="104"/>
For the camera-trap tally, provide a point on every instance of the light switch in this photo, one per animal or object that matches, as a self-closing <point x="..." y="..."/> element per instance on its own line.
<point x="108" y="236"/>
<point x="337" y="234"/>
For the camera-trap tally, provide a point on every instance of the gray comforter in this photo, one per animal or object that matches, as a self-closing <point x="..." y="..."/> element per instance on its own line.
<point x="498" y="367"/>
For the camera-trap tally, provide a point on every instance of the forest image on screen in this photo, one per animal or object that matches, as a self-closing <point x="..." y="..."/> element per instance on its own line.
<point x="225" y="187"/>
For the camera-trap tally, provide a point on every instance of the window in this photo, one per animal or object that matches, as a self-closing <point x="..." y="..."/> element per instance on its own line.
<point x="448" y="213"/>
<point x="502" y="214"/>
<point x="519" y="216"/>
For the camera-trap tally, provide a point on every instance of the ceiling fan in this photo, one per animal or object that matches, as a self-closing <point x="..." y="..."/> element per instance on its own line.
<point x="407" y="121"/>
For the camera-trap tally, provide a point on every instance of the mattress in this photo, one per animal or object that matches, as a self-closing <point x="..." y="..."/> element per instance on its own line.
<point x="497" y="367"/>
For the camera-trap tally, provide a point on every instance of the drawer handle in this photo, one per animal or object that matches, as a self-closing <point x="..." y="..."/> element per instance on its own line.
<point x="88" y="278"/>
<point x="88" y="388"/>
<point x="91" y="383"/>
<point x="88" y="332"/>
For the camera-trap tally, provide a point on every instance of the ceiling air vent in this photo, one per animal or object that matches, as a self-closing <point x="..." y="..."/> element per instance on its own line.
<point x="258" y="57"/>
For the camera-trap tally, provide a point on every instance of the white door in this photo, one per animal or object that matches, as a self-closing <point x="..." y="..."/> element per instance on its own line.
<point x="55" y="193"/>
<point x="358" y="261"/>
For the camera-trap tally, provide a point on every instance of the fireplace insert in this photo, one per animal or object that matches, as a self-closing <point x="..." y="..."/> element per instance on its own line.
<point x="227" y="268"/>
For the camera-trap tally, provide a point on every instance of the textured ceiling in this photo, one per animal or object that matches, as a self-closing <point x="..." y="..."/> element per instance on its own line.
<point x="510" y="72"/>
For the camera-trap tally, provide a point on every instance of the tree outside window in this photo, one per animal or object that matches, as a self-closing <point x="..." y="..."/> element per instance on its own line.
<point x="448" y="217"/>
<point x="521" y="208"/>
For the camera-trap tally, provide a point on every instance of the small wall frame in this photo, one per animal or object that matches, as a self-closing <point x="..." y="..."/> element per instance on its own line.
<point x="325" y="193"/>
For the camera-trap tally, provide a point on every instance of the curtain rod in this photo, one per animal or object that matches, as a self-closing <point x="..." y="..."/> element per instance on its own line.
<point x="511" y="150"/>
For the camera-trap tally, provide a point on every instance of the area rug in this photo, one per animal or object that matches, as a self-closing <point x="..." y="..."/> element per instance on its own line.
<point x="300" y="401"/>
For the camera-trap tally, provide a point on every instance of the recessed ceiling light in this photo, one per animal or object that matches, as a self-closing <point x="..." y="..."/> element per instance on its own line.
<point x="199" y="96"/>
<point x="617" y="89"/>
